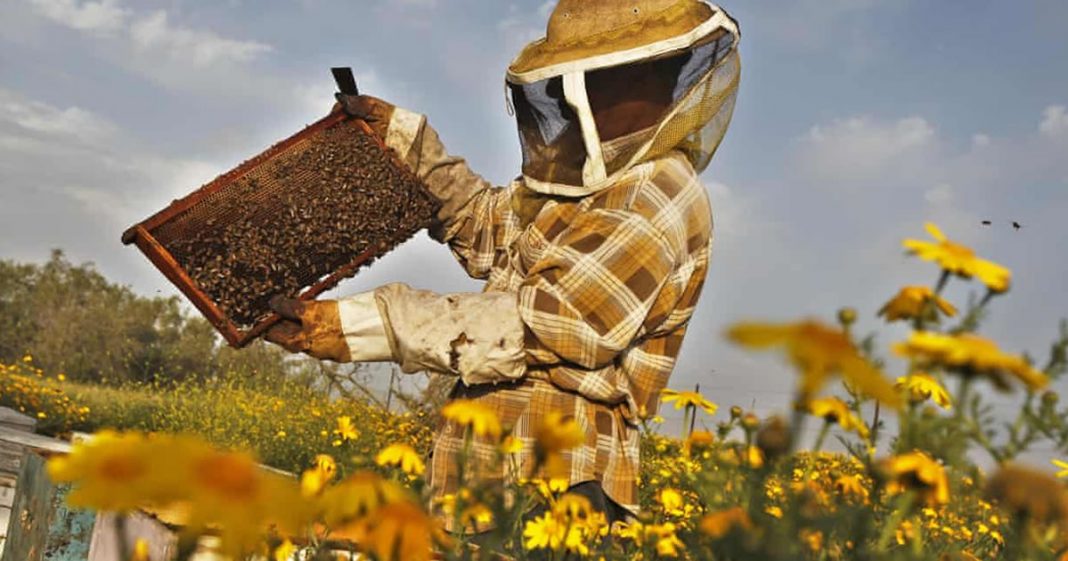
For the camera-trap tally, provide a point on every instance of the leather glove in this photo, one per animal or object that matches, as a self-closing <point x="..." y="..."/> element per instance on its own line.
<point x="373" y="111"/>
<point x="312" y="328"/>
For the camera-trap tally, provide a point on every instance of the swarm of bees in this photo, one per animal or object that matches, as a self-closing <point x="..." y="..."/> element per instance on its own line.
<point x="296" y="219"/>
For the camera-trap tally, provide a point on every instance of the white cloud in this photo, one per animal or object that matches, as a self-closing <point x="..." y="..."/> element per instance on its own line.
<point x="103" y="16"/>
<point x="202" y="48"/>
<point x="1055" y="121"/>
<point x="863" y="149"/>
<point x="71" y="123"/>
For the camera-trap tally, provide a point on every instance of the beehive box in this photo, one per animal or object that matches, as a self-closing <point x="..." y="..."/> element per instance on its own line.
<point x="294" y="220"/>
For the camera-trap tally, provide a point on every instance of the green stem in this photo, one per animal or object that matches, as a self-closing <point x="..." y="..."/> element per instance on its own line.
<point x="901" y="510"/>
<point x="823" y="434"/>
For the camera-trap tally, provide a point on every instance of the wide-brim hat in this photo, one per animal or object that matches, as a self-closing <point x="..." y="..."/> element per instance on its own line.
<point x="589" y="34"/>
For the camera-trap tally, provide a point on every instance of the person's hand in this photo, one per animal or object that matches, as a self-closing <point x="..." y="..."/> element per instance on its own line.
<point x="373" y="111"/>
<point x="312" y="328"/>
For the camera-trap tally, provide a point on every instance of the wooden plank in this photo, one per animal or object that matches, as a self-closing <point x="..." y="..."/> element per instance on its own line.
<point x="28" y="526"/>
<point x="13" y="419"/>
<point x="104" y="544"/>
<point x="42" y="527"/>
<point x="36" y="442"/>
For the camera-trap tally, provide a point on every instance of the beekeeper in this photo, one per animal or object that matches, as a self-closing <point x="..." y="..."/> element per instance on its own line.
<point x="594" y="258"/>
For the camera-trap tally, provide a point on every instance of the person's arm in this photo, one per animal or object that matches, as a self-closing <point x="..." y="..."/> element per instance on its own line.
<point x="471" y="208"/>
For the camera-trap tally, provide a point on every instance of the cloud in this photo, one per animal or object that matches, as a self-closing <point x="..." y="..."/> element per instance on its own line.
<point x="202" y="48"/>
<point x="1055" y="121"/>
<point x="39" y="119"/>
<point x="861" y="149"/>
<point x="103" y="17"/>
<point x="74" y="179"/>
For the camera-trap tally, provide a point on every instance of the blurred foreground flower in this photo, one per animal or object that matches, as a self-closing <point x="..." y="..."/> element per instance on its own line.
<point x="1032" y="495"/>
<point x="1063" y="467"/>
<point x="403" y="456"/>
<point x="553" y="435"/>
<point x="482" y="420"/>
<point x="959" y="260"/>
<point x="911" y="301"/>
<point x="920" y="387"/>
<point x="969" y="355"/>
<point x="834" y="410"/>
<point x="818" y="351"/>
<point x="918" y="472"/>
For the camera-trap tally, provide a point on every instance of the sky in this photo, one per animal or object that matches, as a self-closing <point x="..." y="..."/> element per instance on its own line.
<point x="857" y="122"/>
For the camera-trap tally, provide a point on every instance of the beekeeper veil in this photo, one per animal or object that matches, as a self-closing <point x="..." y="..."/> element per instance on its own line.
<point x="685" y="48"/>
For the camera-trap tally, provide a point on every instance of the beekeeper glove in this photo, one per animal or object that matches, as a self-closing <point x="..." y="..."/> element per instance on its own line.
<point x="375" y="112"/>
<point x="346" y="330"/>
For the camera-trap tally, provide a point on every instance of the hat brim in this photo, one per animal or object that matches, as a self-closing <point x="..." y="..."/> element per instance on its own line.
<point x="669" y="30"/>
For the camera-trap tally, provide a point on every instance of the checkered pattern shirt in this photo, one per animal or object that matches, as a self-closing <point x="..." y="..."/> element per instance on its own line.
<point x="605" y="285"/>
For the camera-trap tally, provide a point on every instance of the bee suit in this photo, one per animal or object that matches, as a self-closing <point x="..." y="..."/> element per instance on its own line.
<point x="593" y="258"/>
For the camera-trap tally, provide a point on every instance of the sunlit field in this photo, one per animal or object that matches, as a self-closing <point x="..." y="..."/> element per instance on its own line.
<point x="906" y="487"/>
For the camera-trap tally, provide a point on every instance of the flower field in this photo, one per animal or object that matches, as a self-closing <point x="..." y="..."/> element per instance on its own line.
<point x="743" y="489"/>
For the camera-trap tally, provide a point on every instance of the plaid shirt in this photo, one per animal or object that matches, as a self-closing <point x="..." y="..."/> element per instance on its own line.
<point x="606" y="285"/>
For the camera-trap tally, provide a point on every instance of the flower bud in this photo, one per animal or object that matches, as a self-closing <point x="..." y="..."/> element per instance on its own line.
<point x="750" y="421"/>
<point x="847" y="316"/>
<point x="1050" y="398"/>
<point x="736" y="413"/>
<point x="773" y="439"/>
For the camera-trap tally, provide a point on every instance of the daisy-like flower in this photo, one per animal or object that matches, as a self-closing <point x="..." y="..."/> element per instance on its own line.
<point x="920" y="387"/>
<point x="402" y="456"/>
<point x="356" y="496"/>
<point x="910" y="303"/>
<point x="345" y="429"/>
<point x="834" y="410"/>
<point x="482" y="420"/>
<point x="818" y="351"/>
<point x="314" y="480"/>
<point x="552" y="436"/>
<point x="959" y="260"/>
<point x="1063" y="466"/>
<point x="919" y="472"/>
<point x="973" y="355"/>
<point x="401" y="530"/>
<point x="688" y="398"/>
<point x="672" y="502"/>
<point x="851" y="486"/>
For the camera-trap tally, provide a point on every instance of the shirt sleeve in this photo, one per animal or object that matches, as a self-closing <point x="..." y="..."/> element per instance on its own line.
<point x="472" y="209"/>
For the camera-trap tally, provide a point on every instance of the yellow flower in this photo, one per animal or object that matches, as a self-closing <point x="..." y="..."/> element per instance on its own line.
<point x="482" y="420"/>
<point x="571" y="525"/>
<point x="474" y="514"/>
<point x="818" y="351"/>
<point x="754" y="457"/>
<point x="972" y="354"/>
<point x="402" y="530"/>
<point x="959" y="260"/>
<point x="115" y="471"/>
<point x="285" y="551"/>
<point x="511" y="445"/>
<point x="357" y="496"/>
<point x="918" y="471"/>
<point x="140" y="551"/>
<point x="555" y="433"/>
<point x="313" y="481"/>
<point x="403" y="456"/>
<point x="345" y="429"/>
<point x="921" y="386"/>
<point x="910" y="303"/>
<point x="1063" y="467"/>
<point x="719" y="524"/>
<point x="851" y="485"/>
<point x="671" y="500"/>
<point x="668" y="543"/>
<point x="688" y="398"/>
<point x="834" y="410"/>
<point x="774" y="511"/>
